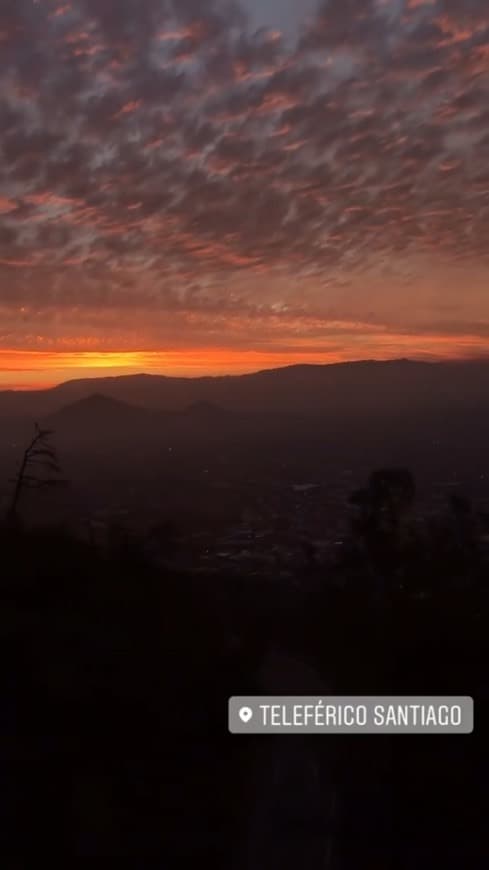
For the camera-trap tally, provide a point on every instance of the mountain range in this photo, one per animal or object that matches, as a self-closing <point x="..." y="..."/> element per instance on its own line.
<point x="345" y="390"/>
<point x="143" y="438"/>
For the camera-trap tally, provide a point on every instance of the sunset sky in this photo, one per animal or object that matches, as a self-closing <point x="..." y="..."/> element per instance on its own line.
<point x="203" y="186"/>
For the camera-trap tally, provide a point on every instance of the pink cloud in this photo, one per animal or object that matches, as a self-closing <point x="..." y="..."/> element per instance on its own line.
<point x="61" y="10"/>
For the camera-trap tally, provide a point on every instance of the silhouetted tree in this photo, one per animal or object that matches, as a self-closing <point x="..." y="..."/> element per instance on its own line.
<point x="465" y="541"/>
<point x="38" y="465"/>
<point x="386" y="500"/>
<point x="162" y="539"/>
<point x="464" y="520"/>
<point x="382" y="507"/>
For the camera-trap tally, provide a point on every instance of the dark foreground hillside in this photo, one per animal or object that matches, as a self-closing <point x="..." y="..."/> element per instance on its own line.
<point x="115" y="679"/>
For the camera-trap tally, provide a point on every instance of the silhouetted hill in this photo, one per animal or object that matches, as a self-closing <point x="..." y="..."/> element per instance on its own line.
<point x="100" y="408"/>
<point x="105" y="423"/>
<point x="116" y="428"/>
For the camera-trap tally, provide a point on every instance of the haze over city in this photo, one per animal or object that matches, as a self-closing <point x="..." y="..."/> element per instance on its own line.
<point x="195" y="188"/>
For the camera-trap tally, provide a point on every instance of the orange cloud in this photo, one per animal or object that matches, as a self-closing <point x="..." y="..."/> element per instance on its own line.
<point x="73" y="38"/>
<point x="173" y="35"/>
<point x="127" y="109"/>
<point x="454" y="32"/>
<point x="48" y="198"/>
<point x="6" y="205"/>
<point x="87" y="51"/>
<point x="21" y="264"/>
<point x="416" y="4"/>
<point x="61" y="10"/>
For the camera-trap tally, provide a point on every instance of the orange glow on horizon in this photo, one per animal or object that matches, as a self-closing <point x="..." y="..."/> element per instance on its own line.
<point x="32" y="369"/>
<point x="17" y="368"/>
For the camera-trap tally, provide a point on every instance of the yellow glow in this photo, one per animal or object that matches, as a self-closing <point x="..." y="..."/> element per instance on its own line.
<point x="40" y="369"/>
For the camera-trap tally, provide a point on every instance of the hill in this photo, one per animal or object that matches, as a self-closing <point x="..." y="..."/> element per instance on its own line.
<point x="114" y="428"/>
<point x="99" y="408"/>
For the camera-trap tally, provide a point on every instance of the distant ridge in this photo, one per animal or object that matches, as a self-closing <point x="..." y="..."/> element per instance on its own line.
<point x="148" y="377"/>
<point x="352" y="388"/>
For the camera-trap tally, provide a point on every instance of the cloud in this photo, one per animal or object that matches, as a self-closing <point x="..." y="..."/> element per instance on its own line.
<point x="175" y="160"/>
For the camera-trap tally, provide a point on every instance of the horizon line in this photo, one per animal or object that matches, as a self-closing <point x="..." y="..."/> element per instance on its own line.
<point x="42" y="388"/>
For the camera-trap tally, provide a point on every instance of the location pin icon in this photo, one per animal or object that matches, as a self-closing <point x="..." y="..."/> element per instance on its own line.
<point x="245" y="714"/>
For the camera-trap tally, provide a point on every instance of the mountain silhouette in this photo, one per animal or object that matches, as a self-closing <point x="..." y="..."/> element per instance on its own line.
<point x="100" y="409"/>
<point x="347" y="390"/>
<point x="101" y="420"/>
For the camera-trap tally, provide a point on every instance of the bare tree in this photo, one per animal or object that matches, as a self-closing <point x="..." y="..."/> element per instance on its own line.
<point x="38" y="469"/>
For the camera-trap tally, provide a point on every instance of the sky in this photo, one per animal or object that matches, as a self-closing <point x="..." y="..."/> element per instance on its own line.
<point x="199" y="187"/>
